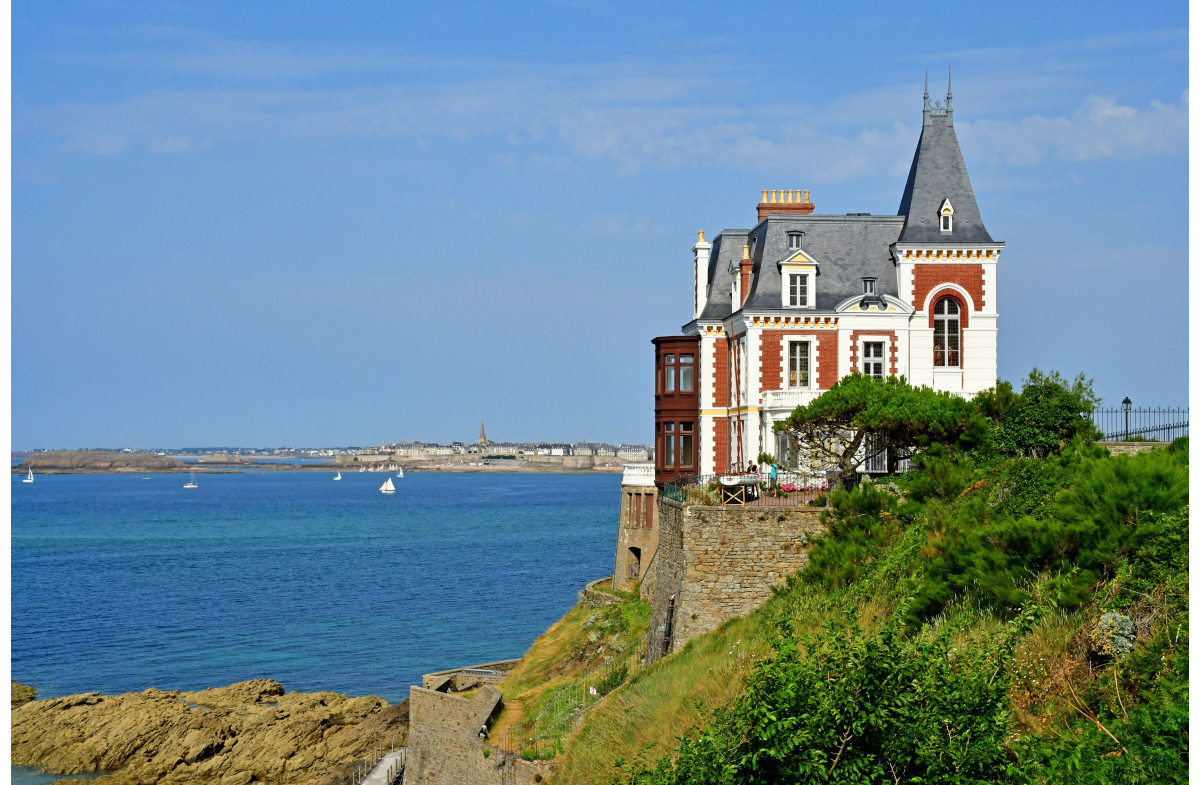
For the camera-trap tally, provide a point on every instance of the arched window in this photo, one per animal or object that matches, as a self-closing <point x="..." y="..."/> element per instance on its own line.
<point x="946" y="333"/>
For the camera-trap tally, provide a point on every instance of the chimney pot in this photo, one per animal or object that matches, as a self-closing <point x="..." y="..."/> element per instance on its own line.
<point x="700" y="238"/>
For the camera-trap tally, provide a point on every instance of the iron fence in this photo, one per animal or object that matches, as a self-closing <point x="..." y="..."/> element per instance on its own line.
<point x="742" y="490"/>
<point x="1153" y="424"/>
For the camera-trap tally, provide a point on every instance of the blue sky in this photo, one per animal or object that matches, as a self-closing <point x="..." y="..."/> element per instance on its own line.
<point x="348" y="223"/>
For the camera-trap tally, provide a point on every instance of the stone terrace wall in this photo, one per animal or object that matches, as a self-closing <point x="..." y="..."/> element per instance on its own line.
<point x="444" y="747"/>
<point x="457" y="679"/>
<point x="592" y="596"/>
<point x="721" y="562"/>
<point x="666" y="571"/>
<point x="1131" y="448"/>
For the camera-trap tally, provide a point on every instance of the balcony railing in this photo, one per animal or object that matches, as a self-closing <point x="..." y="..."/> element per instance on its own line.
<point x="789" y="399"/>
<point x="740" y="490"/>
<point x="639" y="474"/>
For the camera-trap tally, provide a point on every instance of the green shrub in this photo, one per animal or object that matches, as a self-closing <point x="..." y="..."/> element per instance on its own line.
<point x="848" y="707"/>
<point x="862" y="522"/>
<point x="1109" y="510"/>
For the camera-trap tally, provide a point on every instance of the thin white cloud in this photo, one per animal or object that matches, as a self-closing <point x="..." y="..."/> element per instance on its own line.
<point x="1100" y="128"/>
<point x="630" y="116"/>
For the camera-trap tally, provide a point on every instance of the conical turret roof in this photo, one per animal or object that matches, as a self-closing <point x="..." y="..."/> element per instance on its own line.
<point x="938" y="173"/>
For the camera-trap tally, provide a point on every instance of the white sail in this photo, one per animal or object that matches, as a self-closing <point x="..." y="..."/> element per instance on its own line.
<point x="30" y="477"/>
<point x="400" y="473"/>
<point x="387" y="486"/>
<point x="339" y="476"/>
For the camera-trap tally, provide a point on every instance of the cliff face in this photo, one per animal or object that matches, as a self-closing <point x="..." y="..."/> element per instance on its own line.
<point x="247" y="732"/>
<point x="54" y="461"/>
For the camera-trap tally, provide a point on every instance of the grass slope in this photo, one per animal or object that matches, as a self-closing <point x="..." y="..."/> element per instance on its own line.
<point x="1091" y="541"/>
<point x="572" y="647"/>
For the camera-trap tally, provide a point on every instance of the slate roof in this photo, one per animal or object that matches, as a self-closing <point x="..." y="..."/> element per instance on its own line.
<point x="848" y="248"/>
<point x="727" y="247"/>
<point x="938" y="172"/>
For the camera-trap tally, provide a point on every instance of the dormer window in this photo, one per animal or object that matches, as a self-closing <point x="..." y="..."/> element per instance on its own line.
<point x="868" y="285"/>
<point x="798" y="290"/>
<point x="798" y="281"/>
<point x="795" y="241"/>
<point x="946" y="216"/>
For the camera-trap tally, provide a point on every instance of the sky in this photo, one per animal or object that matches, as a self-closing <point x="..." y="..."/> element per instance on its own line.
<point x="264" y="224"/>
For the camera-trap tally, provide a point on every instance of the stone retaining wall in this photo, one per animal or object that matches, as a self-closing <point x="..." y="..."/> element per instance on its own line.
<point x="457" y="679"/>
<point x="721" y="562"/>
<point x="444" y="747"/>
<point x="592" y="597"/>
<point x="1131" y="448"/>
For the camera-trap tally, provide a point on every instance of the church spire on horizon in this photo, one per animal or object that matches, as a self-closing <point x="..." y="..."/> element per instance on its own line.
<point x="483" y="439"/>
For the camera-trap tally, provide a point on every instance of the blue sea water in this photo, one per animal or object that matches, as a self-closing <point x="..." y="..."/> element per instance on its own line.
<point x="120" y="583"/>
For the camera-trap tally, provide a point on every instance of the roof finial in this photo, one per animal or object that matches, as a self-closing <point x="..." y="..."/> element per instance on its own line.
<point x="925" y="110"/>
<point x="949" y="97"/>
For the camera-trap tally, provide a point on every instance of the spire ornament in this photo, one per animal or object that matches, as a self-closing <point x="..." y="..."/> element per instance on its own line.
<point x="925" y="111"/>
<point x="949" y="97"/>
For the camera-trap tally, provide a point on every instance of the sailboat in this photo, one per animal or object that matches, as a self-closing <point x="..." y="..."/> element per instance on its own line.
<point x="387" y="486"/>
<point x="30" y="477"/>
<point x="400" y="471"/>
<point x="339" y="476"/>
<point x="192" y="484"/>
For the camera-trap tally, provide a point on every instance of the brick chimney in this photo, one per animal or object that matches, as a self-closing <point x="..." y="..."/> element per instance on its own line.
<point x="785" y="202"/>
<point x="746" y="266"/>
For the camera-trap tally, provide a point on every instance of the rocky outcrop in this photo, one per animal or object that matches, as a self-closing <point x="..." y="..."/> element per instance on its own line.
<point x="64" y="461"/>
<point x="248" y="732"/>
<point x="22" y="694"/>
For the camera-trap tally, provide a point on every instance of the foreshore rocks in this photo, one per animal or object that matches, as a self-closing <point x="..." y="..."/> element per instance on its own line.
<point x="22" y="694"/>
<point x="248" y="732"/>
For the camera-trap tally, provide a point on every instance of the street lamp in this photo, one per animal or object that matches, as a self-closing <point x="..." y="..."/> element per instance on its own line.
<point x="1125" y="404"/>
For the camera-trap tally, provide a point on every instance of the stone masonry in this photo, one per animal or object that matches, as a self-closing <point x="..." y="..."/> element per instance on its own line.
<point x="444" y="747"/>
<point x="637" y="534"/>
<point x="721" y="562"/>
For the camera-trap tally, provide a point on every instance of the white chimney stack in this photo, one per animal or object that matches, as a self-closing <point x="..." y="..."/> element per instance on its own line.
<point x="700" y="253"/>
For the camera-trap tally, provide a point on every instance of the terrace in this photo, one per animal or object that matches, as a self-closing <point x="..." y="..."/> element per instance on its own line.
<point x="744" y="490"/>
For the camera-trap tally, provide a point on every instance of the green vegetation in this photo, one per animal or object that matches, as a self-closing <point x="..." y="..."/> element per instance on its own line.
<point x="1013" y="610"/>
<point x="894" y="413"/>
<point x="568" y="658"/>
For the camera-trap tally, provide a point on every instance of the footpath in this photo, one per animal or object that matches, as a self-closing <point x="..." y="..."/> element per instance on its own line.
<point x="387" y="769"/>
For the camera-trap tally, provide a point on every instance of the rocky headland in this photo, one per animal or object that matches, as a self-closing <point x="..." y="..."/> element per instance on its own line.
<point x="82" y="461"/>
<point x="248" y="732"/>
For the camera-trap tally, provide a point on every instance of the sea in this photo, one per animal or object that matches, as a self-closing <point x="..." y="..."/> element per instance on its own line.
<point x="125" y="582"/>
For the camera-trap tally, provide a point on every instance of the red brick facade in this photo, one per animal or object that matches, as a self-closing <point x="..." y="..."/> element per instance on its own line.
<point x="927" y="277"/>
<point x="720" y="372"/>
<point x="771" y="352"/>
<point x="720" y="389"/>
<point x="892" y="348"/>
<point x="721" y="445"/>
